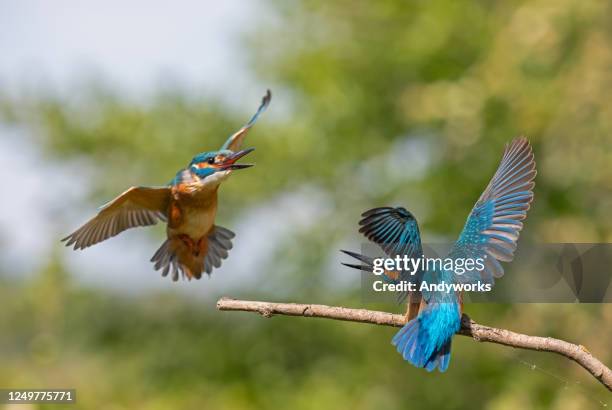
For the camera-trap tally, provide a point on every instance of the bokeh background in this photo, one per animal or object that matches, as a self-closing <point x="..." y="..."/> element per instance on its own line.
<point x="375" y="103"/>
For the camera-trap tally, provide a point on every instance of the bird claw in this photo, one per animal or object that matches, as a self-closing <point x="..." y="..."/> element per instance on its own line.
<point x="196" y="248"/>
<point x="186" y="239"/>
<point x="199" y="247"/>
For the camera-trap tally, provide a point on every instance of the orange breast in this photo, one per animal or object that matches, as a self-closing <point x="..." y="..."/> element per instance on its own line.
<point x="192" y="214"/>
<point x="175" y="215"/>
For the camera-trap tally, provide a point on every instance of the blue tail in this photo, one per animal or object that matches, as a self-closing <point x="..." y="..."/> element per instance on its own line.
<point x="425" y="341"/>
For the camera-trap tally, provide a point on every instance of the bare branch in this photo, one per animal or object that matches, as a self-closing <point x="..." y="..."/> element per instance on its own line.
<point x="469" y="328"/>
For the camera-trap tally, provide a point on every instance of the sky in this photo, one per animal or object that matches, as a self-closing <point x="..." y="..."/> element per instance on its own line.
<point x="134" y="45"/>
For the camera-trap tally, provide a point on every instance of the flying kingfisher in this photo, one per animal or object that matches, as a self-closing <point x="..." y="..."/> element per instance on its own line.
<point x="188" y="204"/>
<point x="490" y="233"/>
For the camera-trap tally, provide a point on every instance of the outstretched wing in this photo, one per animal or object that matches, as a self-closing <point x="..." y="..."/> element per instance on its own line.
<point x="234" y="142"/>
<point x="395" y="230"/>
<point x="138" y="206"/>
<point x="492" y="228"/>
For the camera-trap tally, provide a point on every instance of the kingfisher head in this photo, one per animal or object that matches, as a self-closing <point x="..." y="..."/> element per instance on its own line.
<point x="215" y="166"/>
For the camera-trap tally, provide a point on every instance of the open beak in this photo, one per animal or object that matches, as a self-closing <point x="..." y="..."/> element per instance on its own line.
<point x="229" y="162"/>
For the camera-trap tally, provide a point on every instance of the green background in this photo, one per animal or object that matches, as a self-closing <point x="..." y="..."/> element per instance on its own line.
<point x="365" y="91"/>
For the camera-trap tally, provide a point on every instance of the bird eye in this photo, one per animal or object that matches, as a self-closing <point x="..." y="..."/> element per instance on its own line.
<point x="211" y="160"/>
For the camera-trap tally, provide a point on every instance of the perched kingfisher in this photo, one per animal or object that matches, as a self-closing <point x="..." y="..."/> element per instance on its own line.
<point x="491" y="233"/>
<point x="188" y="204"/>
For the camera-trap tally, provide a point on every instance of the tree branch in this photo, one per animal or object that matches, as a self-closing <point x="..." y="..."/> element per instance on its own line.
<point x="469" y="328"/>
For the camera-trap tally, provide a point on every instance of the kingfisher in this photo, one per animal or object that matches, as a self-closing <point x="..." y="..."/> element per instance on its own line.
<point x="490" y="233"/>
<point x="188" y="204"/>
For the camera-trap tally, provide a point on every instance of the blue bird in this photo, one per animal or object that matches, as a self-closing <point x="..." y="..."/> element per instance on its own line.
<point x="490" y="233"/>
<point x="188" y="204"/>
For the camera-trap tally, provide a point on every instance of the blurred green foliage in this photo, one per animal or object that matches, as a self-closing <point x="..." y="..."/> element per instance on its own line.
<point x="389" y="102"/>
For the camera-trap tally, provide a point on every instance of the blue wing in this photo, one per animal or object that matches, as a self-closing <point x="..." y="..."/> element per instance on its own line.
<point x="234" y="142"/>
<point x="492" y="228"/>
<point x="396" y="231"/>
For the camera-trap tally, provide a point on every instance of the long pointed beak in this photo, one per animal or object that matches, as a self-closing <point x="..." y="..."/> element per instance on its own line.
<point x="230" y="161"/>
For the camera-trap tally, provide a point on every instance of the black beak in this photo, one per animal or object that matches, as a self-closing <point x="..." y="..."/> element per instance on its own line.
<point x="229" y="163"/>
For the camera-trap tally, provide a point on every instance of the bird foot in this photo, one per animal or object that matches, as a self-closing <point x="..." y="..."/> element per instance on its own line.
<point x="196" y="248"/>
<point x="186" y="239"/>
<point x="199" y="248"/>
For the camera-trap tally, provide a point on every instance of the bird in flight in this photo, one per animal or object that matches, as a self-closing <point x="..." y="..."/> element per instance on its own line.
<point x="188" y="204"/>
<point x="490" y="233"/>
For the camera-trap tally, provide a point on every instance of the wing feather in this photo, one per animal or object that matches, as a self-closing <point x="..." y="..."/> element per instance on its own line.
<point x="234" y="142"/>
<point x="138" y="206"/>
<point x="492" y="229"/>
<point x="396" y="231"/>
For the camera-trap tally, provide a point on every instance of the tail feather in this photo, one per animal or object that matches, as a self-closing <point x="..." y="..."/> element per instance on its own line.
<point x="411" y="343"/>
<point x="176" y="257"/>
<point x="219" y="244"/>
<point x="425" y="341"/>
<point x="440" y="359"/>
<point x="445" y="356"/>
<point x="165" y="259"/>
